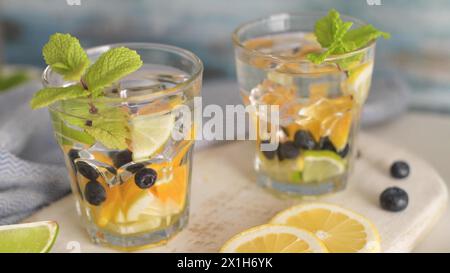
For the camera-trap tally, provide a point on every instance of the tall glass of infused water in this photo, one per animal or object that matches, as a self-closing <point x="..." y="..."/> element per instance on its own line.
<point x="319" y="104"/>
<point x="138" y="194"/>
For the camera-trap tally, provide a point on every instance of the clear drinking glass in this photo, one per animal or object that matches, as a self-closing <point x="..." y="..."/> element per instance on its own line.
<point x="319" y="105"/>
<point x="136" y="195"/>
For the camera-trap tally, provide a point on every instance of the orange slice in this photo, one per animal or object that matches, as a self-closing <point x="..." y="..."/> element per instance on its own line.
<point x="340" y="131"/>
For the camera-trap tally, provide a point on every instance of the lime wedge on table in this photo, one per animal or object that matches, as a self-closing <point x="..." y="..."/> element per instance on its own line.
<point x="321" y="165"/>
<point x="35" y="237"/>
<point x="149" y="133"/>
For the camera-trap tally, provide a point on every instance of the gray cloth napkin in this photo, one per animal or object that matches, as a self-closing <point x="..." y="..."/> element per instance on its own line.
<point x="26" y="184"/>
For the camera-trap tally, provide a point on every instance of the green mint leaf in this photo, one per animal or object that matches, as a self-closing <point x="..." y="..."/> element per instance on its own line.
<point x="113" y="135"/>
<point x="49" y="95"/>
<point x="66" y="135"/>
<point x="108" y="124"/>
<point x="357" y="38"/>
<point x="337" y="37"/>
<point x="318" y="58"/>
<point x="110" y="67"/>
<point x="325" y="28"/>
<point x="64" y="54"/>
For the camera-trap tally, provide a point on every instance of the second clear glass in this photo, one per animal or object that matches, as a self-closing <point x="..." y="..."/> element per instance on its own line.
<point x="320" y="105"/>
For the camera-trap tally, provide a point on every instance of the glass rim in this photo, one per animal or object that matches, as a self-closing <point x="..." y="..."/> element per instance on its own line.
<point x="198" y="69"/>
<point x="277" y="16"/>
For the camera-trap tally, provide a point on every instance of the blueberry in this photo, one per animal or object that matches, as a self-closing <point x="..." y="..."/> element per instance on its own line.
<point x="326" y="144"/>
<point x="73" y="154"/>
<point x="145" y="178"/>
<point x="122" y="158"/>
<point x="87" y="170"/>
<point x="94" y="193"/>
<point x="400" y="169"/>
<point x="287" y="150"/>
<point x="268" y="154"/>
<point x="344" y="152"/>
<point x="394" y="199"/>
<point x="303" y="139"/>
<point x="135" y="167"/>
<point x="111" y="169"/>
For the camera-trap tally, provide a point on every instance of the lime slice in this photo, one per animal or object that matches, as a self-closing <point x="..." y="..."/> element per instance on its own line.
<point x="149" y="133"/>
<point x="37" y="237"/>
<point x="358" y="83"/>
<point x="321" y="165"/>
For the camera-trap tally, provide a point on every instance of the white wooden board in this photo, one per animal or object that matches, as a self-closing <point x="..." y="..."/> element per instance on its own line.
<point x="225" y="200"/>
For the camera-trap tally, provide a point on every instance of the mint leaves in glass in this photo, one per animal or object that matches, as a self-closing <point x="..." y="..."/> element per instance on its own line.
<point x="317" y="68"/>
<point x="114" y="110"/>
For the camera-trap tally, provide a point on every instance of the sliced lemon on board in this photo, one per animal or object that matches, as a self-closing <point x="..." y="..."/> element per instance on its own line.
<point x="274" y="239"/>
<point x="341" y="230"/>
<point x="37" y="237"/>
<point x="149" y="133"/>
<point x="321" y="165"/>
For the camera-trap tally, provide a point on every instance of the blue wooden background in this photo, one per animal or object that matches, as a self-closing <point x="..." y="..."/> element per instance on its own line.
<point x="419" y="49"/>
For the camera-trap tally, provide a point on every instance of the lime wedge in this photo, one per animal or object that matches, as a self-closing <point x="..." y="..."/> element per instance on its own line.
<point x="321" y="165"/>
<point x="149" y="133"/>
<point x="37" y="237"/>
<point x="358" y="83"/>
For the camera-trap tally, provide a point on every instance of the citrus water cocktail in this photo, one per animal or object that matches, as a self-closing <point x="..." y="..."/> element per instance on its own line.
<point x="319" y="101"/>
<point x="129" y="173"/>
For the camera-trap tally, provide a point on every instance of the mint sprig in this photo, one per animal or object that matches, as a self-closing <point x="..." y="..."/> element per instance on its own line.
<point x="50" y="95"/>
<point x="108" y="125"/>
<point x="110" y="67"/>
<point x="338" y="37"/>
<point x="64" y="54"/>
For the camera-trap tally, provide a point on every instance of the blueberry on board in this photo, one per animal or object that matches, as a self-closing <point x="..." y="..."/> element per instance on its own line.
<point x="344" y="152"/>
<point x="94" y="193"/>
<point x="145" y="178"/>
<point x="304" y="140"/>
<point x="123" y="157"/>
<point x="268" y="154"/>
<point x="87" y="170"/>
<point x="135" y="167"/>
<point x="394" y="199"/>
<point x="400" y="169"/>
<point x="287" y="150"/>
<point x="326" y="144"/>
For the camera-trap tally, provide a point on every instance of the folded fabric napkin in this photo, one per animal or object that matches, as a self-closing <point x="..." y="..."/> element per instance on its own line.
<point x="26" y="184"/>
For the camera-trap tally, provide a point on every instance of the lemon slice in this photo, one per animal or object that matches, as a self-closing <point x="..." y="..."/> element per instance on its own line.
<point x="358" y="83"/>
<point x="148" y="205"/>
<point x="274" y="239"/>
<point x="37" y="237"/>
<point x="321" y="165"/>
<point x="149" y="133"/>
<point x="339" y="229"/>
